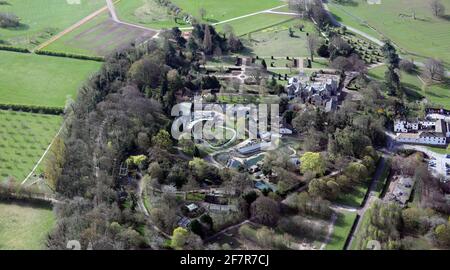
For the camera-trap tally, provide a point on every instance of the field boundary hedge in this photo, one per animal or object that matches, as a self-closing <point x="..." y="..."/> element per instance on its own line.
<point x="70" y="55"/>
<point x="33" y="109"/>
<point x="14" y="49"/>
<point x="14" y="192"/>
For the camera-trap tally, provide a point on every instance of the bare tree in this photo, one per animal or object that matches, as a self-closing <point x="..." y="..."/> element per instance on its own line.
<point x="437" y="8"/>
<point x="433" y="70"/>
<point x="202" y="13"/>
<point x="299" y="6"/>
<point x="9" y="20"/>
<point x="227" y="29"/>
<point x="312" y="42"/>
<point x="207" y="41"/>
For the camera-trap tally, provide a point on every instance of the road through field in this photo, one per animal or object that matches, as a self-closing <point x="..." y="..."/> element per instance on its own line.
<point x="115" y="18"/>
<point x="71" y="28"/>
<point x="112" y="11"/>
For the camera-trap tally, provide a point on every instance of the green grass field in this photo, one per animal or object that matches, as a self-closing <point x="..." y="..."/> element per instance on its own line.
<point x="354" y="198"/>
<point x="219" y="10"/>
<point x="24" y="227"/>
<point x="255" y="23"/>
<point x="30" y="79"/>
<point x="40" y="19"/>
<point x="439" y="150"/>
<point x="148" y="13"/>
<point x="341" y="230"/>
<point x="438" y="94"/>
<point x="426" y="36"/>
<point x="268" y="41"/>
<point x="23" y="139"/>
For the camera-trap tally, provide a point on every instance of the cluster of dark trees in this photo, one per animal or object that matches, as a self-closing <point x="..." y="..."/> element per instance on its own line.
<point x="346" y="132"/>
<point x="437" y="8"/>
<point x="176" y="11"/>
<point x="392" y="76"/>
<point x="115" y="115"/>
<point x="9" y="20"/>
<point x="341" y="54"/>
<point x="204" y="38"/>
<point x="313" y="9"/>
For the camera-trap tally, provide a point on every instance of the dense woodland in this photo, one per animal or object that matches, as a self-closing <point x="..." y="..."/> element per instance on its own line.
<point x="122" y="111"/>
<point x="121" y="116"/>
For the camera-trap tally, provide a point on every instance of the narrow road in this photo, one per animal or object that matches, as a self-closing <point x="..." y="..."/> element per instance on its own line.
<point x="70" y="29"/>
<point x="112" y="11"/>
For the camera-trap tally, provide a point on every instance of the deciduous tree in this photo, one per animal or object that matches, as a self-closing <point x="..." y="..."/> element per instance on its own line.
<point x="312" y="162"/>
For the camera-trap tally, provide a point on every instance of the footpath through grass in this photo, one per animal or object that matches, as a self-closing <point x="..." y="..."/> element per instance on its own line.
<point x="29" y="79"/>
<point x="23" y="139"/>
<point x="151" y="14"/>
<point x="255" y="23"/>
<point x="24" y="227"/>
<point x="219" y="10"/>
<point x="341" y="230"/>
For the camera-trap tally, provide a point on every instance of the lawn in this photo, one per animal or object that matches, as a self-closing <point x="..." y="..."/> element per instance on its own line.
<point x="439" y="150"/>
<point x="354" y="198"/>
<point x="24" y="227"/>
<point x="275" y="40"/>
<point x="40" y="19"/>
<point x="320" y="63"/>
<point x="23" y="139"/>
<point x="256" y="23"/>
<point x="426" y="36"/>
<point x="30" y="79"/>
<point x="342" y="228"/>
<point x="437" y="93"/>
<point x="219" y="10"/>
<point x="195" y="197"/>
<point x="149" y="13"/>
